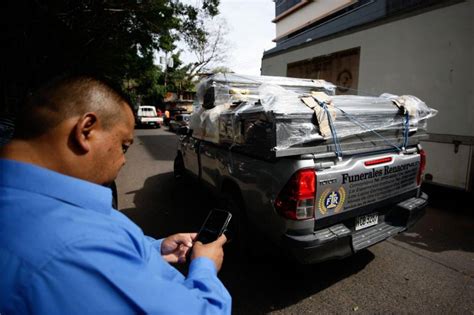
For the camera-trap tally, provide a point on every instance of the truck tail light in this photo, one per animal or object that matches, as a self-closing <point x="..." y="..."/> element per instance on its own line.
<point x="296" y="200"/>
<point x="421" y="169"/>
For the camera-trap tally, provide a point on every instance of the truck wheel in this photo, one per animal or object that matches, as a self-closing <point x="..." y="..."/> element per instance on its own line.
<point x="178" y="166"/>
<point x="238" y="230"/>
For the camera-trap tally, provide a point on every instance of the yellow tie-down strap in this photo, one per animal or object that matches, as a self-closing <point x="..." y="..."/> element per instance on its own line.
<point x="313" y="102"/>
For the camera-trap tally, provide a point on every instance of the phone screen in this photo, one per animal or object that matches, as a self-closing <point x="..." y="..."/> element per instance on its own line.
<point x="215" y="224"/>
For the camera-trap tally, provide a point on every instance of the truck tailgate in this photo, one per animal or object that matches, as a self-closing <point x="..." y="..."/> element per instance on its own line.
<point x="359" y="182"/>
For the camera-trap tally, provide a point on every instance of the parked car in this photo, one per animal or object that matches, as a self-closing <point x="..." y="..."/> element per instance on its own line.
<point x="180" y="120"/>
<point x="148" y="116"/>
<point x="172" y="114"/>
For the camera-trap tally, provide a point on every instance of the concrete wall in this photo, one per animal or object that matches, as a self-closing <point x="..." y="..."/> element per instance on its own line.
<point x="429" y="55"/>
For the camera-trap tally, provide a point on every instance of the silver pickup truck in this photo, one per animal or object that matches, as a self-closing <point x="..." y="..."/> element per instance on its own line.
<point x="317" y="200"/>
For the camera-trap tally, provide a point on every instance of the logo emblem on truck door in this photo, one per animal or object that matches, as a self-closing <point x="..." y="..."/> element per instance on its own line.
<point x="332" y="200"/>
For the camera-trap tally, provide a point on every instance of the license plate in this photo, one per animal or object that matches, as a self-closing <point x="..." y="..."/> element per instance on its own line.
<point x="366" y="220"/>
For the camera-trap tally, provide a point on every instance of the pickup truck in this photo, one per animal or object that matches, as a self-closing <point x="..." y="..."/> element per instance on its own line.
<point x="310" y="201"/>
<point x="148" y="116"/>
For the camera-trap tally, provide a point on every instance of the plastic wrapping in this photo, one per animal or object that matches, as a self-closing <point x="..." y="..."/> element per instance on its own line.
<point x="231" y="88"/>
<point x="412" y="105"/>
<point x="263" y="115"/>
<point x="362" y="114"/>
<point x="205" y="123"/>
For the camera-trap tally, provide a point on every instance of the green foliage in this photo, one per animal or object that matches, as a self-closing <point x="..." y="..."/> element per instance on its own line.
<point x="116" y="39"/>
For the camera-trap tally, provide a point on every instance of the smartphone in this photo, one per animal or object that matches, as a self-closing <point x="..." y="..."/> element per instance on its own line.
<point x="214" y="226"/>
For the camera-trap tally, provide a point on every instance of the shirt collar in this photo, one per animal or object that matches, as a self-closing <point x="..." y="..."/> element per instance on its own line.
<point x="29" y="177"/>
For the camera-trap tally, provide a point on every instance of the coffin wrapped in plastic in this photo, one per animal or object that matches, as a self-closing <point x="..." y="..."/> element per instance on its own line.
<point x="270" y="117"/>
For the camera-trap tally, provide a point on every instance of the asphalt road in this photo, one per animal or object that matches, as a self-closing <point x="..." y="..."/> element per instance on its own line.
<point x="427" y="270"/>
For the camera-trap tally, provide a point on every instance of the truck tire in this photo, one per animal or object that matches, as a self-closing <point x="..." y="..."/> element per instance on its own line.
<point x="178" y="166"/>
<point x="238" y="247"/>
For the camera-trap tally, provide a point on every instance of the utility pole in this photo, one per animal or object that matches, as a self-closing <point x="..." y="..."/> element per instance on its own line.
<point x="166" y="62"/>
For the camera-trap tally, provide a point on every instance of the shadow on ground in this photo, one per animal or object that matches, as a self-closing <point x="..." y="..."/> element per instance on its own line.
<point x="260" y="287"/>
<point x="257" y="287"/>
<point x="165" y="206"/>
<point x="447" y="224"/>
<point x="159" y="146"/>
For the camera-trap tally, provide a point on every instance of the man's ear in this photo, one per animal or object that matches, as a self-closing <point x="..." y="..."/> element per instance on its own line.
<point x="85" y="126"/>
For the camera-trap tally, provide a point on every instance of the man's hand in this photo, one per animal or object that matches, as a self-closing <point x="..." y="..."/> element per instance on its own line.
<point x="174" y="248"/>
<point x="213" y="251"/>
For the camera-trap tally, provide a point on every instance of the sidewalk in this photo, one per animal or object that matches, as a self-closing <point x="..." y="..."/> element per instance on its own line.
<point x="446" y="233"/>
<point x="454" y="200"/>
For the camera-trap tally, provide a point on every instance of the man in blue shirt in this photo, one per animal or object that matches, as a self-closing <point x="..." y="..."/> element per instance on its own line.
<point x="63" y="249"/>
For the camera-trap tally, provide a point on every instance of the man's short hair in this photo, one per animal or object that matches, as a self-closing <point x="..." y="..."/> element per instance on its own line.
<point x="67" y="97"/>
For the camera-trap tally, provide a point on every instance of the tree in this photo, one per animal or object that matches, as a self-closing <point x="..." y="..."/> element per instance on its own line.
<point x="111" y="37"/>
<point x="208" y="44"/>
<point x="222" y="69"/>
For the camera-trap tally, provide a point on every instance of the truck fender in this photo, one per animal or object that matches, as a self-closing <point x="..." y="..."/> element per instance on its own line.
<point x="230" y="199"/>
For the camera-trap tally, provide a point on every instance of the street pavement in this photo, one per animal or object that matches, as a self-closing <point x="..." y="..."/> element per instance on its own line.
<point x="428" y="270"/>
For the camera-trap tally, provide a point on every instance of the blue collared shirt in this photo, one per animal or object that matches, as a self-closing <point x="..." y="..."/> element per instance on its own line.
<point x="64" y="250"/>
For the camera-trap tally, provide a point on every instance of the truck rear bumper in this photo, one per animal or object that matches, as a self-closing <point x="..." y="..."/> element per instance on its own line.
<point x="341" y="240"/>
<point x="149" y="123"/>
